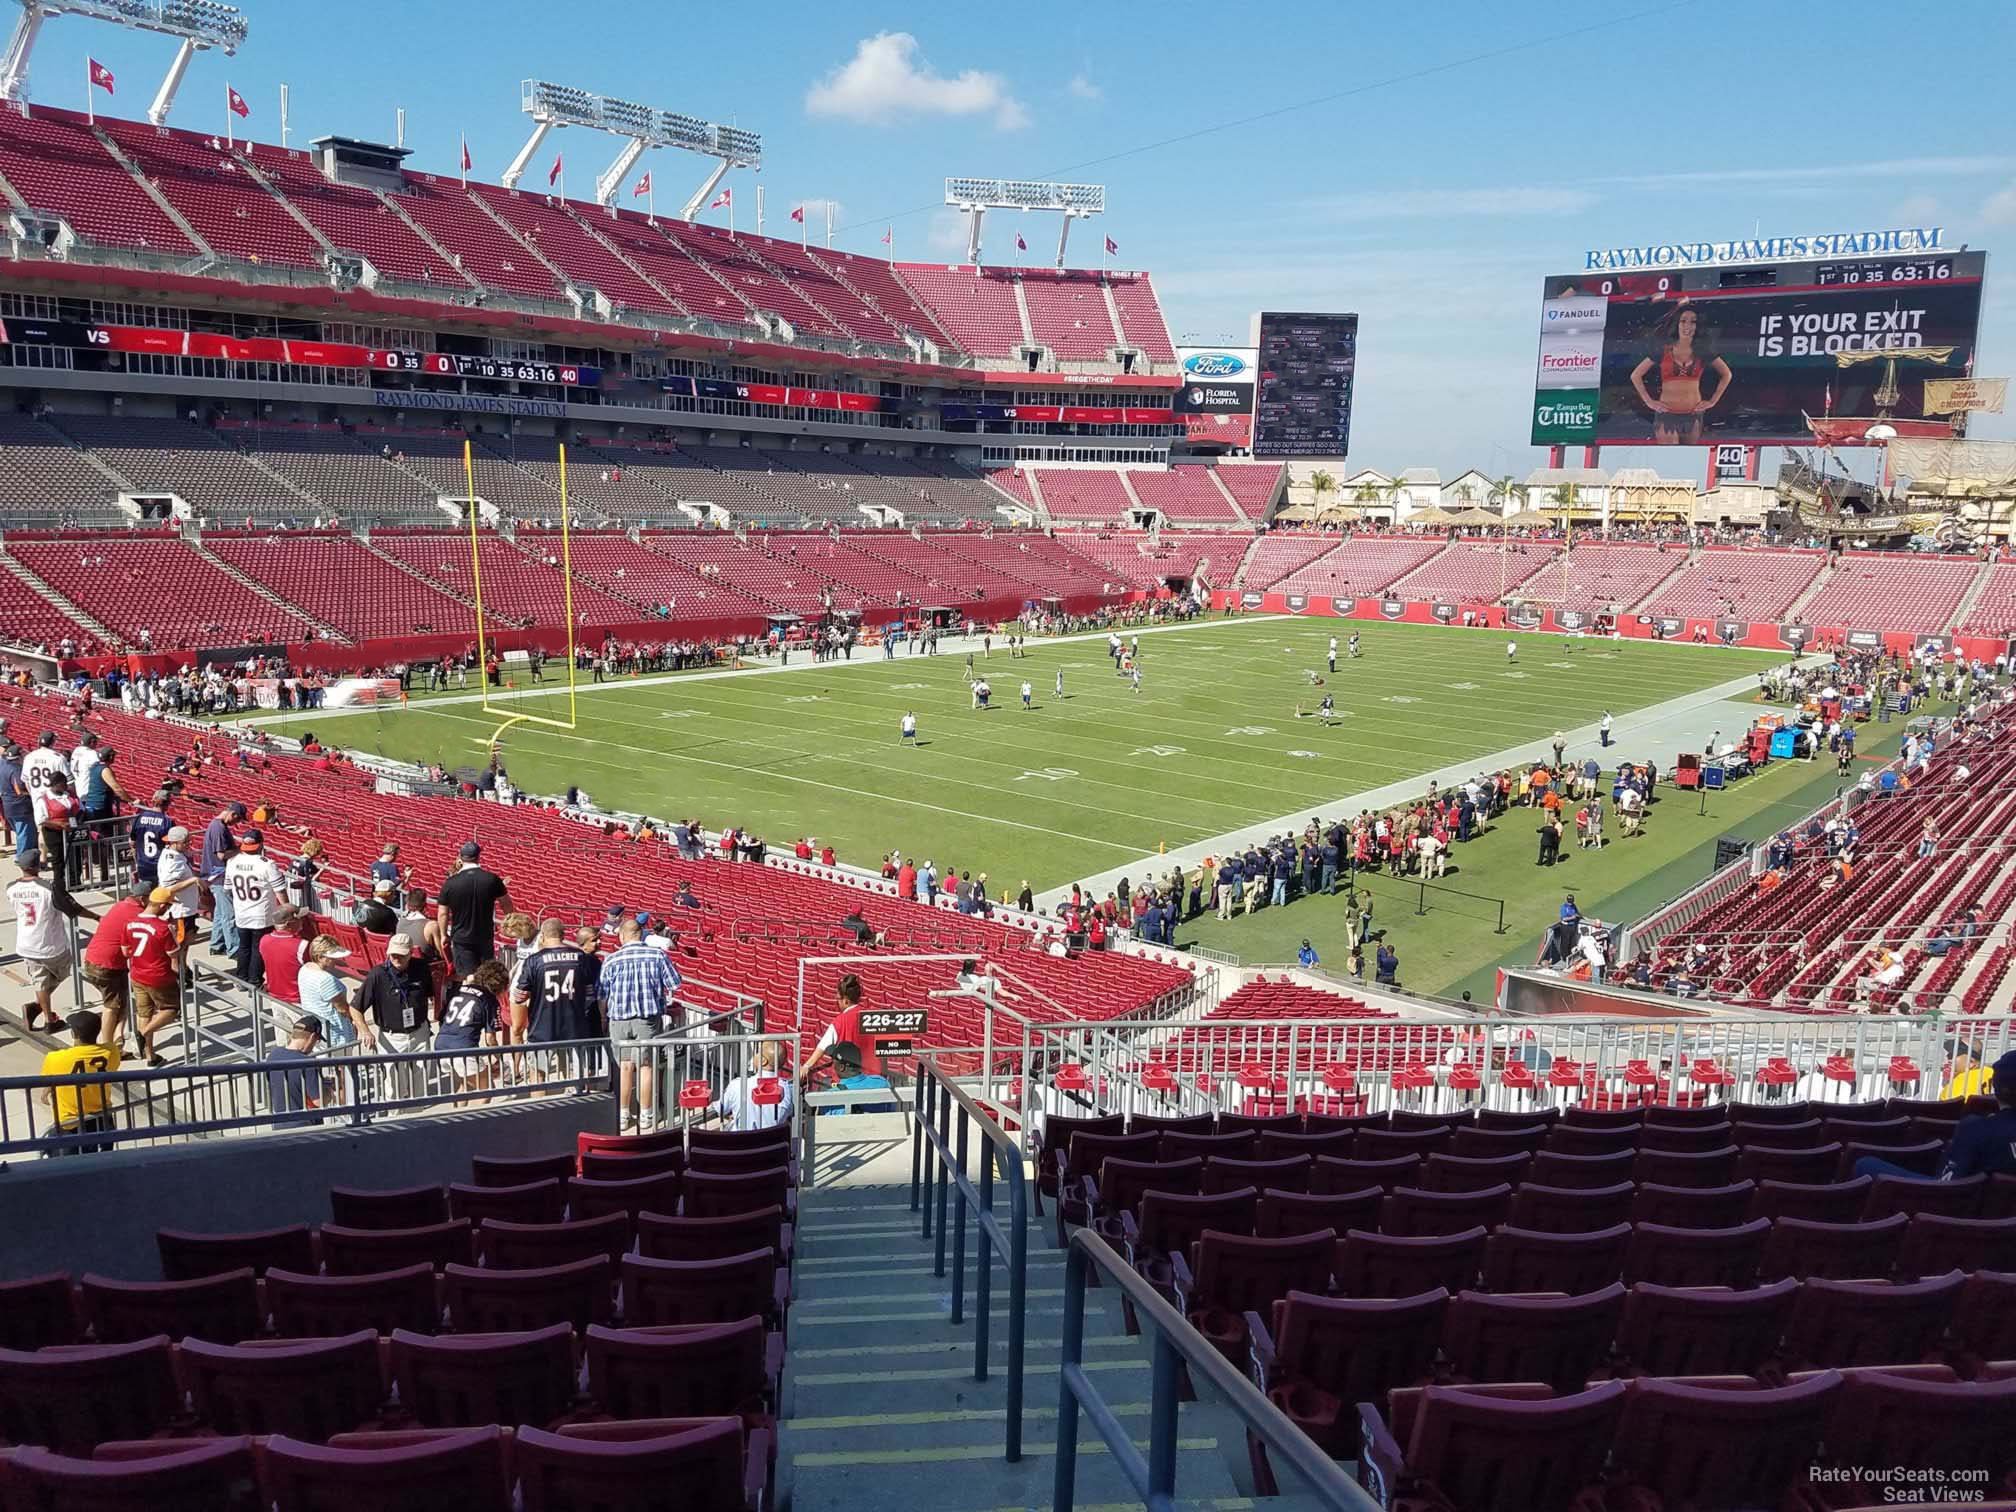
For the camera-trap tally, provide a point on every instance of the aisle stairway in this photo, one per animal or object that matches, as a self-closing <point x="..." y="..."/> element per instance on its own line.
<point x="881" y="1405"/>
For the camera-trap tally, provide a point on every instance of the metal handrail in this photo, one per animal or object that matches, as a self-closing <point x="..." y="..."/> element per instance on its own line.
<point x="178" y="1104"/>
<point x="936" y="1100"/>
<point x="1177" y="1346"/>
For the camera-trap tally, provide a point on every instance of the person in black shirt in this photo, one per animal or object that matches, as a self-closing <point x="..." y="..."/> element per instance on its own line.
<point x="398" y="996"/>
<point x="468" y="903"/>
<point x="376" y="916"/>
<point x="555" y="998"/>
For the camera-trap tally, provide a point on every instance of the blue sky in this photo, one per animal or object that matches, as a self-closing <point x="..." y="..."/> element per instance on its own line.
<point x="1473" y="148"/>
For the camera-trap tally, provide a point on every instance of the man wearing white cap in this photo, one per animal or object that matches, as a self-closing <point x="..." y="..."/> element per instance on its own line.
<point x="177" y="877"/>
<point x="377" y="915"/>
<point x="397" y="995"/>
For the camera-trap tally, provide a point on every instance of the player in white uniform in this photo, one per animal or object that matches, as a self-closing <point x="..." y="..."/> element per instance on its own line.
<point x="36" y="768"/>
<point x="1026" y="694"/>
<point x="258" y="888"/>
<point x="1511" y="652"/>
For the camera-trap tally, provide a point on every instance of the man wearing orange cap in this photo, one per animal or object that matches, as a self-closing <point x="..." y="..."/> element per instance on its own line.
<point x="148" y="947"/>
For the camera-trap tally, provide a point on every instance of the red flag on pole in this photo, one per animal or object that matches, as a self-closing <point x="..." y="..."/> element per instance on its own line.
<point x="101" y="75"/>
<point x="889" y="237"/>
<point x="553" y="173"/>
<point x="725" y="198"/>
<point x="1020" y="245"/>
<point x="1112" y="247"/>
<point x="643" y="187"/>
<point x="237" y="102"/>
<point x="798" y="215"/>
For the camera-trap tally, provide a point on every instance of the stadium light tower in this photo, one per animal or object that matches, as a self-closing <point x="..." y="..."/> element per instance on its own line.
<point x="641" y="128"/>
<point x="976" y="196"/>
<point x="198" y="23"/>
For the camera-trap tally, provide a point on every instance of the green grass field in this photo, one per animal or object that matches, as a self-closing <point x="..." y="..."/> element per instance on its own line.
<point x="1075" y="786"/>
<point x="1103" y="776"/>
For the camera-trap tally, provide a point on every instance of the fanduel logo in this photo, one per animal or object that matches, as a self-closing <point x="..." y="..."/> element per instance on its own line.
<point x="1214" y="365"/>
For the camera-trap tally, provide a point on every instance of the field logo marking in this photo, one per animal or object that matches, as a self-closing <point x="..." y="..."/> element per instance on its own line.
<point x="1401" y="698"/>
<point x="1307" y="755"/>
<point x="1251" y="730"/>
<point x="1461" y="687"/>
<point x="1157" y="750"/>
<point x="1048" y="774"/>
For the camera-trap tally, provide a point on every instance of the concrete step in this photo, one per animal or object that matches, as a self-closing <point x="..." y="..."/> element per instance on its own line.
<point x="880" y="1402"/>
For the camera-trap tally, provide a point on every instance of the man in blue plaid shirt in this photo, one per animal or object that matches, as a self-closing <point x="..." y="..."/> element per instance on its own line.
<point x="637" y="984"/>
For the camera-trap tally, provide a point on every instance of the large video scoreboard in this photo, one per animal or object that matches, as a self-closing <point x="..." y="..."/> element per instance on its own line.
<point x="1308" y="363"/>
<point x="1696" y="356"/>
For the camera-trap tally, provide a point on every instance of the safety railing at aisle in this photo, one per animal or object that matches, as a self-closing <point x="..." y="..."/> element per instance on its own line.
<point x="87" y="1112"/>
<point x="1177" y="1348"/>
<point x="1372" y="1066"/>
<point x="938" y="1156"/>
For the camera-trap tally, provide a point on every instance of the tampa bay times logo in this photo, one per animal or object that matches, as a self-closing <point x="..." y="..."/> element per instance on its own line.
<point x="1577" y="414"/>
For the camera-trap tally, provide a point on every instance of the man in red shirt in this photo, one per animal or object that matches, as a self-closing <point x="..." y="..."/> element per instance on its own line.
<point x="906" y="881"/>
<point x="105" y="962"/>
<point x="148" y="945"/>
<point x="845" y="1027"/>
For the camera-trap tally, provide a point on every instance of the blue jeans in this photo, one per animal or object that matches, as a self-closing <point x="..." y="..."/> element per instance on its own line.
<point x="25" y="839"/>
<point x="1875" y="1165"/>
<point x="1280" y="891"/>
<point x="224" y="922"/>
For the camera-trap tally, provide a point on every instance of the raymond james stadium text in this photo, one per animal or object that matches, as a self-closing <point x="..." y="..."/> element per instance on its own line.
<point x="1765" y="249"/>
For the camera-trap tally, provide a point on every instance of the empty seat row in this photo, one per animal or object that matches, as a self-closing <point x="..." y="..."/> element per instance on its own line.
<point x="74" y="1399"/>
<point x="716" y="1463"/>
<point x="1832" y="1439"/>
<point x="682" y="1270"/>
<point x="1511" y="1245"/>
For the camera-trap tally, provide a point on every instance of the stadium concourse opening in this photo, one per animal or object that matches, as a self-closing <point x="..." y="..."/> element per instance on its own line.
<point x="685" y="778"/>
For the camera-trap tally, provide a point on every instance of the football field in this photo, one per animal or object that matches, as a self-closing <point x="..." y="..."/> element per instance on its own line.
<point x="1101" y="778"/>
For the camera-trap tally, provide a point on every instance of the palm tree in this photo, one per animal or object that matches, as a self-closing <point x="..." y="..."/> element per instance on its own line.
<point x="1396" y="495"/>
<point x="1366" y="494"/>
<point x="1564" y="498"/>
<point x="1503" y="492"/>
<point x="1320" y="484"/>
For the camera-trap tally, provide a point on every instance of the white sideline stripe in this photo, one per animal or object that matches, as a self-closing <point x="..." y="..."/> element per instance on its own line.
<point x="954" y="646"/>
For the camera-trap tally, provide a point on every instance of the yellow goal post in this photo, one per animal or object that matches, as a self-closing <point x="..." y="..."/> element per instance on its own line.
<point x="511" y="717"/>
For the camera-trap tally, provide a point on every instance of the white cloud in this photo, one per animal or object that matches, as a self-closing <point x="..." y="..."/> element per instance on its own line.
<point x="1945" y="167"/>
<point x="2000" y="210"/>
<point x="886" y="81"/>
<point x="1914" y="210"/>
<point x="1383" y="204"/>
<point x="1082" y="88"/>
<point x="947" y="232"/>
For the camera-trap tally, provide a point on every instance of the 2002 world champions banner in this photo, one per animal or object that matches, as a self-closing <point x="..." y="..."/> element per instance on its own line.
<point x="1678" y="359"/>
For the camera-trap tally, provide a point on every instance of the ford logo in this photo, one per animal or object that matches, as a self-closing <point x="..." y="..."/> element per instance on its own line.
<point x="1214" y="365"/>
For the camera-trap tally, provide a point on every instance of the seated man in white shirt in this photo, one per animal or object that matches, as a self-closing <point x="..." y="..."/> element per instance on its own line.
<point x="738" y="1106"/>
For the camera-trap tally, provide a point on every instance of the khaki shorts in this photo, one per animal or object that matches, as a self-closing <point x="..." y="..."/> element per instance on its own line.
<point x="47" y="976"/>
<point x="629" y="1036"/>
<point x="111" y="986"/>
<point x="148" y="1001"/>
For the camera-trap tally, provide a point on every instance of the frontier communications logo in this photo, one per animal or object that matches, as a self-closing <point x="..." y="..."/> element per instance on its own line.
<point x="1571" y="360"/>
